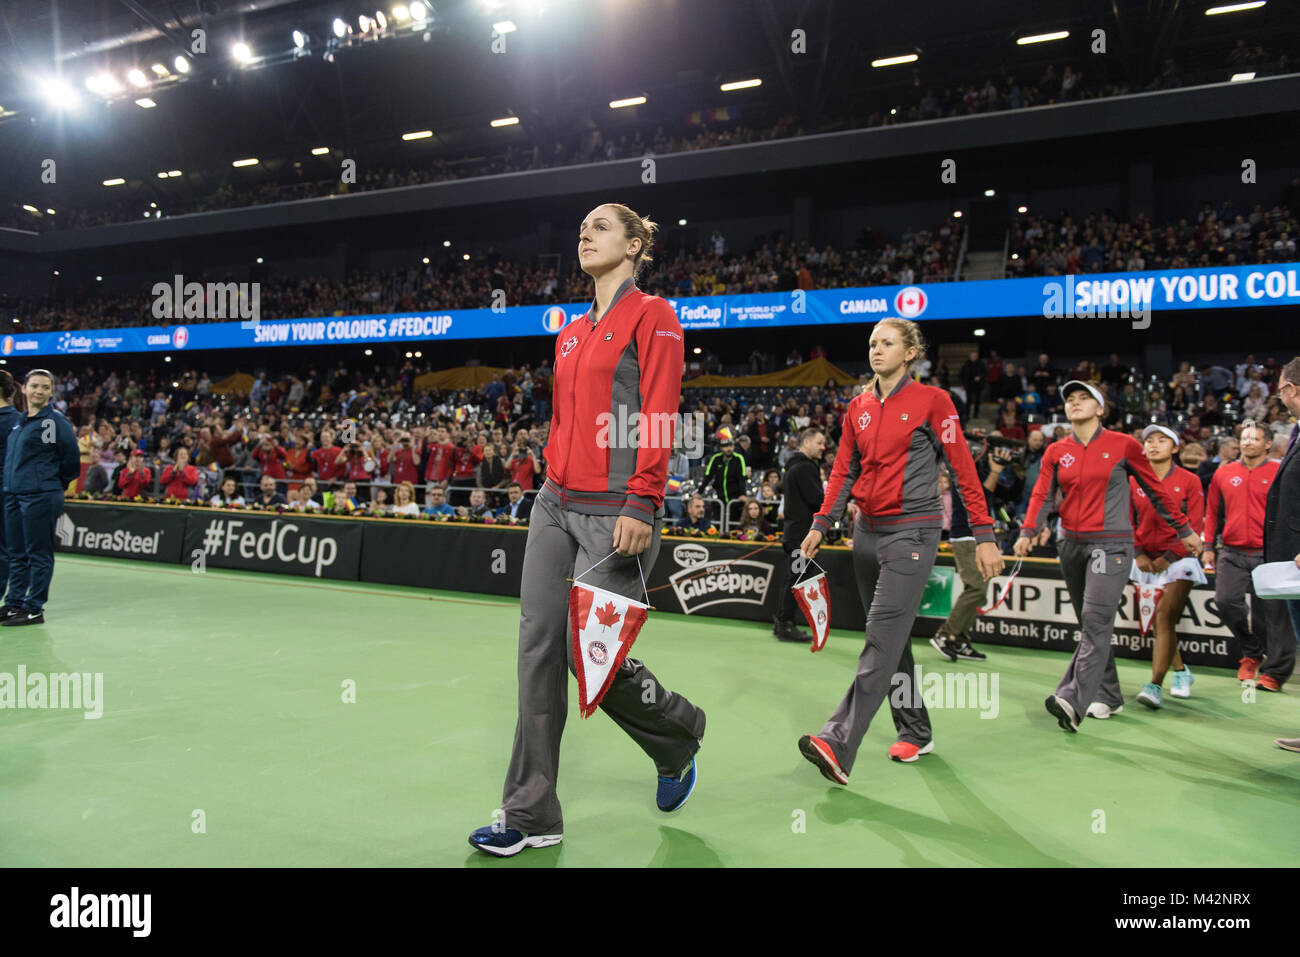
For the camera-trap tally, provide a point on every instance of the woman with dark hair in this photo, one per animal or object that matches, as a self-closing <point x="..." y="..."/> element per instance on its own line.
<point x="41" y="458"/>
<point x="602" y="495"/>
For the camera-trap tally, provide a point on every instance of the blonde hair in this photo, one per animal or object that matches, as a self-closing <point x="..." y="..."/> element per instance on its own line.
<point x="410" y="490"/>
<point x="912" y="339"/>
<point x="636" y="226"/>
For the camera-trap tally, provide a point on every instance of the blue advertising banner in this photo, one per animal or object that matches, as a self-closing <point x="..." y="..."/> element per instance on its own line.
<point x="1130" y="296"/>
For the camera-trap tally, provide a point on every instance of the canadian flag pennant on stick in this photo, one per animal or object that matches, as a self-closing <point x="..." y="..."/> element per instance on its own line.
<point x="604" y="627"/>
<point x="814" y="597"/>
<point x="1148" y="597"/>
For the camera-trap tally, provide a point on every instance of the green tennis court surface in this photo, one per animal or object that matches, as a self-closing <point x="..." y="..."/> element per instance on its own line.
<point x="223" y="693"/>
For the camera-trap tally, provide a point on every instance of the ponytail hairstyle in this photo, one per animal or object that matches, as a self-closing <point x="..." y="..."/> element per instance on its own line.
<point x="10" y="392"/>
<point x="912" y="339"/>
<point x="639" y="227"/>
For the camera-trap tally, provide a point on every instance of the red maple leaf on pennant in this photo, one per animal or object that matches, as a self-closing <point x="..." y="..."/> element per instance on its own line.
<point x="813" y="593"/>
<point x="607" y="615"/>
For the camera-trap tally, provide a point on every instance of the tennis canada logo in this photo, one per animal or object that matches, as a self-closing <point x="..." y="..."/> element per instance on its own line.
<point x="721" y="582"/>
<point x="597" y="652"/>
<point x="1236" y="480"/>
<point x="1067" y="460"/>
<point x="910" y="302"/>
<point x="568" y="345"/>
<point x="864" y="420"/>
<point x="553" y="319"/>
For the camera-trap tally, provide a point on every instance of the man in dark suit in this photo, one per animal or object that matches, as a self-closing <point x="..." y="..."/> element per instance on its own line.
<point x="1282" y="510"/>
<point x="517" y="505"/>
<point x="803" y="497"/>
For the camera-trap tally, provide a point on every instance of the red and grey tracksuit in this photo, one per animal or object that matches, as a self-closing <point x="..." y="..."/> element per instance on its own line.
<point x="1235" y="512"/>
<point x="1096" y="546"/>
<point x="1152" y="535"/>
<point x="891" y="451"/>
<point x="628" y="361"/>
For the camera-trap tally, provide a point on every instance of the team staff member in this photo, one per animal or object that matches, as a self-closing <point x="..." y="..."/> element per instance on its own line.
<point x="1091" y="467"/>
<point x="11" y="414"/>
<point x="41" y="458"/>
<point x="1282" y="515"/>
<point x="1238" y="495"/>
<point x="893" y="439"/>
<point x="622" y="358"/>
<point x="803" y="496"/>
<point x="136" y="478"/>
<point x="1159" y="552"/>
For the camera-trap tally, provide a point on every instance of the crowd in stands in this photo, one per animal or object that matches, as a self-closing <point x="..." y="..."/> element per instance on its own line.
<point x="924" y="100"/>
<point x="368" y="442"/>
<point x="773" y="264"/>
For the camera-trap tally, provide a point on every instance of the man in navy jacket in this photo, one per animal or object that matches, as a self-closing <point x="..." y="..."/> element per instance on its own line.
<point x="1282" y="511"/>
<point x="41" y="458"/>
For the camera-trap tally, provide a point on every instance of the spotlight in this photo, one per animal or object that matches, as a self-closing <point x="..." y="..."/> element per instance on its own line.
<point x="400" y="13"/>
<point x="137" y="77"/>
<point x="363" y="22"/>
<point x="381" y="19"/>
<point x="299" y="39"/>
<point x="419" y="12"/>
<point x="159" y="70"/>
<point x="59" y="94"/>
<point x="242" y="52"/>
<point x="340" y="28"/>
<point x="181" y="64"/>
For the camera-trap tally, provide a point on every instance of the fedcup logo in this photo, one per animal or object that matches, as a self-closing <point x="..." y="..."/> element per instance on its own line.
<point x="624" y="429"/>
<point x="553" y="319"/>
<point x="911" y="301"/>
<point x="8" y="345"/>
<point x="72" y="342"/>
<point x="179" y="299"/>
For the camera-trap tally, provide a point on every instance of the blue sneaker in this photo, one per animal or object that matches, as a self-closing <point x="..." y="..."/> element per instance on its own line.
<point x="673" y="793"/>
<point x="507" y="842"/>
<point x="1151" y="696"/>
<point x="1182" y="683"/>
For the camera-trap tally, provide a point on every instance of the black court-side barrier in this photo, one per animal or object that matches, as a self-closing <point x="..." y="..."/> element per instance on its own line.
<point x="692" y="576"/>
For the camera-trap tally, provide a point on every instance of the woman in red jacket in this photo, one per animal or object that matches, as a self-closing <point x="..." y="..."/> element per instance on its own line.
<point x="603" y="495"/>
<point x="893" y="440"/>
<point x="178" y="480"/>
<point x="1161" y="560"/>
<point x="1091" y="468"/>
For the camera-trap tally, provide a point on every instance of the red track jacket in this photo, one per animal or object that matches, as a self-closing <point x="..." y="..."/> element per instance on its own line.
<point x="1153" y="534"/>
<point x="1235" y="507"/>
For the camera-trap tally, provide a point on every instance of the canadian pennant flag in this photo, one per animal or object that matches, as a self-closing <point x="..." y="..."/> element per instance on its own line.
<point x="604" y="625"/>
<point x="814" y="597"/>
<point x="1148" y="598"/>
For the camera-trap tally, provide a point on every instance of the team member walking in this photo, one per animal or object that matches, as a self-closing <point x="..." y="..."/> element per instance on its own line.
<point x="622" y="358"/>
<point x="894" y="437"/>
<point x="1091" y="467"/>
<point x="41" y="458"/>
<point x="1161" y="559"/>
<point x="11" y="414"/>
<point x="1235" y="511"/>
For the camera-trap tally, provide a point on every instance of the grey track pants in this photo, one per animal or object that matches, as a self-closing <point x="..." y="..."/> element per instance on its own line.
<point x="1267" y="634"/>
<point x="892" y="570"/>
<point x="665" y="725"/>
<point x="974" y="589"/>
<point x="1096" y="575"/>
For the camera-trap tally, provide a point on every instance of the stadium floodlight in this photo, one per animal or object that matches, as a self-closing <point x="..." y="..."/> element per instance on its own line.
<point x="446" y="242"/>
<point x="504" y="27"/>
<point x="1234" y="8"/>
<point x="137" y="77"/>
<point x="895" y="60"/>
<point x="696" y="351"/>
<point x="1042" y="37"/>
<point x="956" y="214"/>
<point x="299" y="39"/>
<point x="59" y="94"/>
<point x="145" y="103"/>
<point x="419" y="12"/>
<point x="242" y="52"/>
<point x="340" y="28"/>
<point x="173" y="173"/>
<point x="116" y="181"/>
<point x="681" y="222"/>
<point x="1242" y="76"/>
<point x="381" y="19"/>
<point x="630" y="101"/>
<point x="400" y="13"/>
<point x="370" y="352"/>
<point x="506" y="121"/>
<point x="50" y="211"/>
<point x="989" y="192"/>
<point x="30" y="209"/>
<point x="162" y="174"/>
<point x="1022" y="209"/>
<point x="740" y="85"/>
<point x="425" y="260"/>
<point x="153" y="205"/>
<point x="182" y="65"/>
<point x="160" y="70"/>
<point x="320" y="151"/>
<point x="980" y="332"/>
<point x="364" y="23"/>
<point x="251" y="161"/>
<point x="99" y="279"/>
<point x="418" y="135"/>
<point x="95" y="84"/>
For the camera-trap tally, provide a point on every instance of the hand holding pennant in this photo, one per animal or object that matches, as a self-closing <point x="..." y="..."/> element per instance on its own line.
<point x="604" y="626"/>
<point x="814" y="597"/>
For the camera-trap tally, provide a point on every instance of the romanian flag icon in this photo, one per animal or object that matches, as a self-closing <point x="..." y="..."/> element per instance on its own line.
<point x="724" y="434"/>
<point x="674" y="485"/>
<point x="553" y="319"/>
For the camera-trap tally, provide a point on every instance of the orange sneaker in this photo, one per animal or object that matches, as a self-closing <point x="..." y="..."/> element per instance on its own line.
<point x="819" y="753"/>
<point x="907" y="752"/>
<point x="1267" y="682"/>
<point x="1249" y="668"/>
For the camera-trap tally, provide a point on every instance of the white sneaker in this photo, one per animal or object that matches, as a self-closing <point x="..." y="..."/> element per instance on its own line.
<point x="1103" y="711"/>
